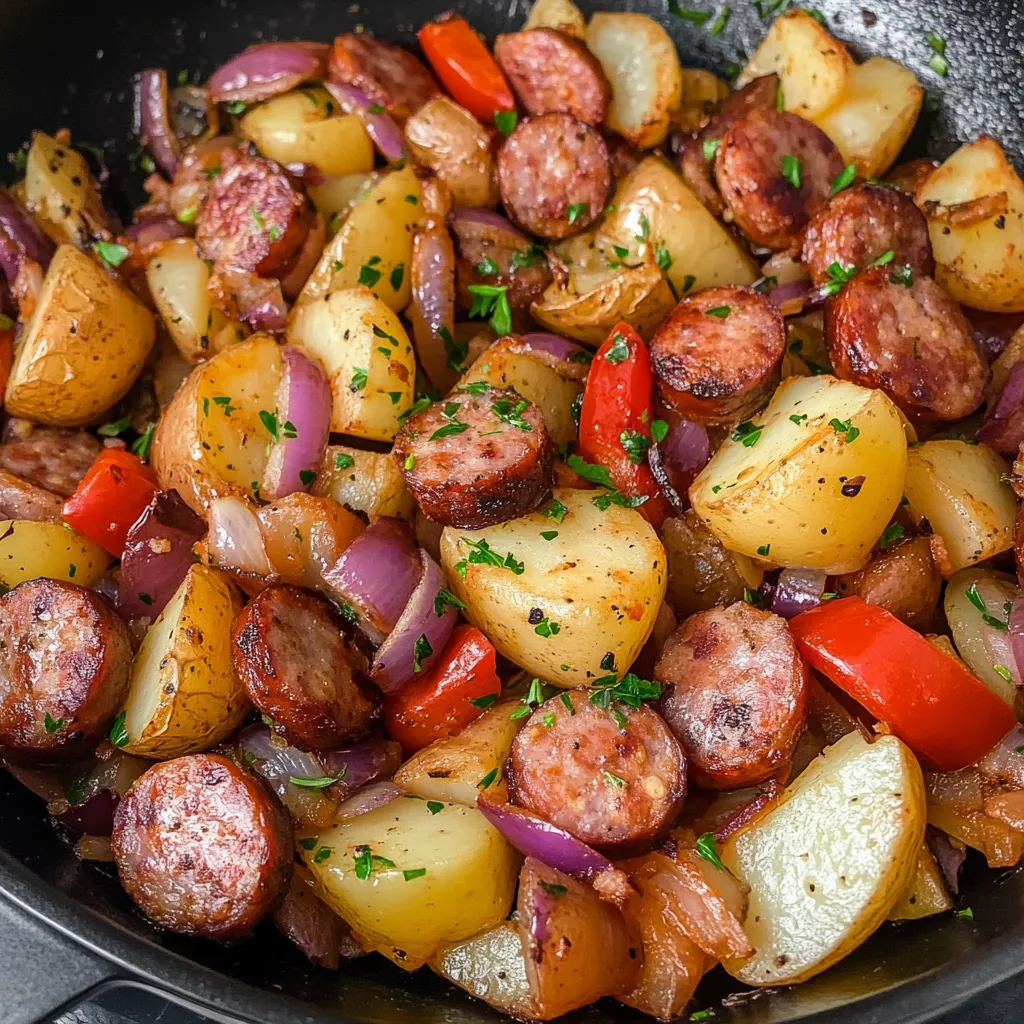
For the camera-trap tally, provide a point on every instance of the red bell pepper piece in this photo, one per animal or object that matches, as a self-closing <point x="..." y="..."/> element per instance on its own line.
<point x="615" y="419"/>
<point x="110" y="498"/>
<point x="929" y="699"/>
<point x="440" y="702"/>
<point x="466" y="68"/>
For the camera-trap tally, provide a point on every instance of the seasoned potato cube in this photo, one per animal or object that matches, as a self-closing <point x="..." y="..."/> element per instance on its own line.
<point x="29" y="550"/>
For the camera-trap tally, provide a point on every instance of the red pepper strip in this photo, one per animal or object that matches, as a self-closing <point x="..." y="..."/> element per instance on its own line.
<point x="466" y="68"/>
<point x="616" y="409"/>
<point x="440" y="702"/>
<point x="929" y="699"/>
<point x="110" y="498"/>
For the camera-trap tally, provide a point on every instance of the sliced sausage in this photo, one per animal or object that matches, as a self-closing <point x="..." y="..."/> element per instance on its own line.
<point x="860" y="224"/>
<point x="21" y="500"/>
<point x="491" y="253"/>
<point x="202" y="847"/>
<point x="255" y="218"/>
<point x="736" y="694"/>
<point x="912" y="342"/>
<point x="53" y="459"/>
<point x="479" y="458"/>
<point x="904" y="580"/>
<point x="554" y="175"/>
<point x="288" y="649"/>
<point x="749" y="168"/>
<point x="622" y="154"/>
<point x="613" y="777"/>
<point x="388" y="74"/>
<point x="554" y="73"/>
<point x="698" y="172"/>
<point x="717" y="355"/>
<point x="198" y="166"/>
<point x="65" y="661"/>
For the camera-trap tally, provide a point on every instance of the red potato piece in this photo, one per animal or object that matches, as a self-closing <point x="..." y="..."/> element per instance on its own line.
<point x="499" y="467"/>
<point x="717" y="356"/>
<point x="765" y="204"/>
<point x="550" y="169"/>
<point x="554" y="73"/>
<point x="202" y="847"/>
<point x="288" y="649"/>
<point x="21" y="500"/>
<point x="615" y="778"/>
<point x="736" y="694"/>
<point x="860" y="224"/>
<point x="65" y="662"/>
<point x="388" y="74"/>
<point x="53" y="459"/>
<point x="256" y="217"/>
<point x="912" y="342"/>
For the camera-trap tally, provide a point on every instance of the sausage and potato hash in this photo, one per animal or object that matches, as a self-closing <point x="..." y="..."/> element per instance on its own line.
<point x="533" y="511"/>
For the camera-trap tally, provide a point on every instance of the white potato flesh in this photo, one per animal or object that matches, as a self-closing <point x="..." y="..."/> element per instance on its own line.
<point x="367" y="356"/>
<point x="926" y="894"/>
<point x="339" y="195"/>
<point x="813" y="68"/>
<point x="601" y="580"/>
<point x="980" y="264"/>
<point x="561" y="14"/>
<point x="469" y="874"/>
<point x="959" y="488"/>
<point x="491" y="967"/>
<point x="367" y="482"/>
<point x="641" y="63"/>
<point x="30" y="549"/>
<point x="826" y="865"/>
<point x="875" y="116"/>
<point x="655" y="210"/>
<point x="779" y="495"/>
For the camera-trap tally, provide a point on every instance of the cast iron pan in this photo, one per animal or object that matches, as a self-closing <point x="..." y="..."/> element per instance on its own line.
<point x="71" y="64"/>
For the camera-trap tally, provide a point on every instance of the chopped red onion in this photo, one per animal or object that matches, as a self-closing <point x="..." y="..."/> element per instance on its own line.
<point x="365" y="762"/>
<point x="1002" y="763"/>
<point x="155" y="230"/>
<point x="565" y="357"/>
<point x="791" y="297"/>
<point x="99" y="792"/>
<point x="798" y="590"/>
<point x="94" y="816"/>
<point x="157" y="555"/>
<point x="659" y="469"/>
<point x="432" y="304"/>
<point x="993" y="330"/>
<point x="267" y="69"/>
<point x="1003" y="428"/>
<point x="380" y="126"/>
<point x="512" y="236"/>
<point x="153" y="120"/>
<point x="419" y="636"/>
<point x="677" y="460"/>
<point x="21" y="239"/>
<point x="369" y="798"/>
<point x="950" y="858"/>
<point x="303" y="918"/>
<point x="303" y="423"/>
<point x="234" y="540"/>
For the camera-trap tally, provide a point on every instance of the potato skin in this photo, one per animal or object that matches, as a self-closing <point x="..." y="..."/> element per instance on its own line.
<point x="82" y="348"/>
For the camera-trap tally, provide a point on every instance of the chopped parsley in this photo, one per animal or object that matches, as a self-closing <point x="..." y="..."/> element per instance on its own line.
<point x="721" y="312"/>
<point x="688" y="13"/>
<point x="410" y="873"/>
<point x="549" y="534"/>
<point x="555" y="510"/>
<point x="344" y="462"/>
<point x="619" y="349"/>
<point x="688" y="282"/>
<point x="421" y="650"/>
<point x="798" y="418"/>
<point x="846" y="428"/>
<point x="616" y="781"/>
<point x="635" y="445"/>
<point x="554" y="889"/>
<point x="143" y="444"/>
<point x="838" y="276"/>
<point x="112" y="253"/>
<point x="487" y="267"/>
<point x="748" y="433"/>
<point x="483" y="555"/>
<point x="990" y="620"/>
<point x="1003" y="671"/>
<point x="488" y="779"/>
<point x="881" y="261"/>
<point x="322" y="854"/>
<point x="662" y="257"/>
<point x="546" y="628"/>
<point x="792" y="170"/>
<point x="368" y="274"/>
<point x="706" y="848"/>
<point x="485" y="701"/>
<point x="764" y="549"/>
<point x="844" y="179"/>
<point x="659" y="430"/>
<point x="115" y="428"/>
<point x="397" y="273"/>
<point x="366" y="862"/>
<point x="710" y="148"/>
<point x="118" y="733"/>
<point x="505" y="121"/>
<point x="645" y="228"/>
<point x="316" y="782"/>
<point x="491" y="301"/>
<point x="446" y="599"/>
<point x="435" y="806"/>
<point x="51" y="724"/>
<point x="578" y="212"/>
<point x="309" y="843"/>
<point x="306" y="476"/>
<point x="421" y="403"/>
<point x="718" y="25"/>
<point x="890" y="535"/>
<point x="527" y="258"/>
<point x="511" y="414"/>
<point x="966" y="914"/>
<point x="902" y="275"/>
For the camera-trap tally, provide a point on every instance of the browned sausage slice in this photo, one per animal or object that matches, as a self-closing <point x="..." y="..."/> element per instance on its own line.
<point x="613" y="777"/>
<point x="736" y="694"/>
<point x="288" y="649"/>
<point x="479" y="458"/>
<point x="554" y="73"/>
<point x="55" y="460"/>
<point x="255" y="218"/>
<point x="22" y="500"/>
<point x="912" y="342"/>
<point x="861" y="224"/>
<point x="388" y="74"/>
<point x="65" y="661"/>
<point x="759" y="161"/>
<point x="202" y="847"/>
<point x="717" y="354"/>
<point x="554" y="175"/>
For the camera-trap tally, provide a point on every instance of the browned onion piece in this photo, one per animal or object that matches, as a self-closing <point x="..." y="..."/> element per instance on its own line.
<point x="153" y="120"/>
<point x="267" y="69"/>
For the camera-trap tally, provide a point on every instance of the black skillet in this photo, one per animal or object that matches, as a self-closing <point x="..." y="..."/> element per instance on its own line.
<point x="71" y="64"/>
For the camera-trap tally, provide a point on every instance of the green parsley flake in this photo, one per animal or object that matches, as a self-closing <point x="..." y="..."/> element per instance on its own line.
<point x="435" y="806"/>
<point x="446" y="599"/>
<point x="485" y="701"/>
<point x="118" y="733"/>
<point x="115" y="428"/>
<point x="491" y="301"/>
<point x="706" y="848"/>
<point x="846" y="428"/>
<point x="844" y="179"/>
<point x="619" y="349"/>
<point x="616" y="781"/>
<point x="549" y="534"/>
<point x="721" y="312"/>
<point x="748" y="433"/>
<point x="710" y="148"/>
<point x="890" y="535"/>
<point x="764" y="549"/>
<point x="688" y="13"/>
<point x="358" y="382"/>
<point x="505" y="121"/>
<point x="553" y="888"/>
<point x="578" y="212"/>
<point x="487" y="267"/>
<point x="315" y="782"/>
<point x="51" y="724"/>
<point x="546" y="628"/>
<point x="421" y="650"/>
<point x="112" y="253"/>
<point x="488" y="779"/>
<point x="322" y="854"/>
<point x="555" y="510"/>
<point x="397" y="273"/>
<point x="344" y="462"/>
<point x="792" y="170"/>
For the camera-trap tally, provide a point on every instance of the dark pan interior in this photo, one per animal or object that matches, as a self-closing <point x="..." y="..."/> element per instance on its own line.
<point x="70" y="65"/>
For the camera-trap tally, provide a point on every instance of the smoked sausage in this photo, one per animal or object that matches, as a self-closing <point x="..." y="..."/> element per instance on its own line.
<point x="735" y="694"/>
<point x="53" y="459"/>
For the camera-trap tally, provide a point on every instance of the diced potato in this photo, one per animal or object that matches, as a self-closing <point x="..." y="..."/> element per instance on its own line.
<point x="778" y="493"/>
<point x="561" y="14"/>
<point x="959" y="489"/>
<point x="813" y="68"/>
<point x="980" y="263"/>
<point x="489" y="966"/>
<point x="926" y="894"/>
<point x="702" y="90"/>
<point x="652" y="203"/>
<point x="409" y="880"/>
<point x="604" y="602"/>
<point x="82" y="348"/>
<point x="303" y="127"/>
<point x="339" y="195"/>
<point x="374" y="245"/>
<point x="61" y="193"/>
<point x="452" y="769"/>
<point x="1001" y="845"/>
<point x="642" y="64"/>
<point x="552" y="393"/>
<point x="29" y="550"/>
<point x="368" y="358"/>
<point x="177" y="277"/>
<point x="367" y="482"/>
<point x="828" y="863"/>
<point x="875" y="115"/>
<point x="184" y="696"/>
<point x="210" y="442"/>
